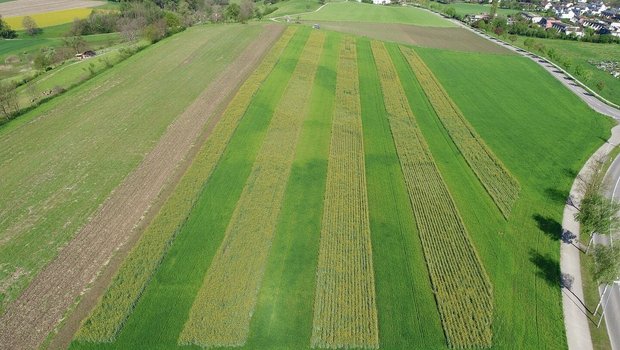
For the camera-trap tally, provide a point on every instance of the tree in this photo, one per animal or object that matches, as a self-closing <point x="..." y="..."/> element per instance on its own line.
<point x="600" y="85"/>
<point x="494" y="6"/>
<point x="31" y="26"/>
<point x="232" y="12"/>
<point x="76" y="43"/>
<point x="451" y="11"/>
<point x="606" y="263"/>
<point x="5" y="30"/>
<point x="513" y="38"/>
<point x="246" y="11"/>
<point x="9" y="105"/>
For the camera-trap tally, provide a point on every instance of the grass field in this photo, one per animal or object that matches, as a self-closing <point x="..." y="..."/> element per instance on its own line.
<point x="360" y="12"/>
<point x="579" y="54"/>
<point x="292" y="7"/>
<point x="471" y="9"/>
<point x="49" y="19"/>
<point x="63" y="174"/>
<point x="541" y="144"/>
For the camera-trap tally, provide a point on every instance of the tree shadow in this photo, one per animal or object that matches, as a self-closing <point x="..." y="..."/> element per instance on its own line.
<point x="548" y="268"/>
<point x="570" y="173"/>
<point x="549" y="226"/>
<point x="556" y="195"/>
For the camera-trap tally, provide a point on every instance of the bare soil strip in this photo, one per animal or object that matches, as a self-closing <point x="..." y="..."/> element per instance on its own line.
<point x="456" y="39"/>
<point x="29" y="7"/>
<point x="38" y="310"/>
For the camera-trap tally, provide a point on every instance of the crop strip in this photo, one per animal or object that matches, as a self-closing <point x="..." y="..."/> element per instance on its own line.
<point x="223" y="307"/>
<point x="345" y="312"/>
<point x="496" y="179"/>
<point x="112" y="311"/>
<point x="462" y="288"/>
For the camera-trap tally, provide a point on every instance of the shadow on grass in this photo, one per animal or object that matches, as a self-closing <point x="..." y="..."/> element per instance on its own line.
<point x="549" y="226"/>
<point x="548" y="268"/>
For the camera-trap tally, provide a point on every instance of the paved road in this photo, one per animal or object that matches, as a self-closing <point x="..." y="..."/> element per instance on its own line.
<point x="612" y="311"/>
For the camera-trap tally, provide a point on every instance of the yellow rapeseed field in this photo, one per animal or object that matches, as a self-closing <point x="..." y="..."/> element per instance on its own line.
<point x="462" y="288"/>
<point x="345" y="311"/>
<point x="49" y="19"/>
<point x="223" y="308"/>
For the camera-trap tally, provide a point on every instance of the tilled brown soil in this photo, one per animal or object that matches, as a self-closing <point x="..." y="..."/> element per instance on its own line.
<point x="457" y="39"/>
<point x="29" y="7"/>
<point x="27" y="321"/>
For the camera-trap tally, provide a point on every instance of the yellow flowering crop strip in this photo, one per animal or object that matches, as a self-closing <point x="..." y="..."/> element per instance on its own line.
<point x="119" y="300"/>
<point x="496" y="179"/>
<point x="48" y="19"/>
<point x="345" y="312"/>
<point x="223" y="308"/>
<point x="462" y="288"/>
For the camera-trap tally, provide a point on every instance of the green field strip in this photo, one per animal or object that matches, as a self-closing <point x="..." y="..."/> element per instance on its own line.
<point x="222" y="310"/>
<point x="283" y="317"/>
<point x="345" y="312"/>
<point x="462" y="289"/>
<point x="496" y="179"/>
<point x="117" y="303"/>
<point x="181" y="272"/>
<point x="406" y="304"/>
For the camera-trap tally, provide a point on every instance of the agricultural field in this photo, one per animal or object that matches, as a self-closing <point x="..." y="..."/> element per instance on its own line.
<point x="295" y="188"/>
<point x="463" y="9"/>
<point x="43" y="206"/>
<point x="48" y="19"/>
<point x="15" y="8"/>
<point x="360" y="12"/>
<point x="366" y="193"/>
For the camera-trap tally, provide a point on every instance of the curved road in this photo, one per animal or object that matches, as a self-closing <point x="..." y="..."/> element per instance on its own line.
<point x="612" y="295"/>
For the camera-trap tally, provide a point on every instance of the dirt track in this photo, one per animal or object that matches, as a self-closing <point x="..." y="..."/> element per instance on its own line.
<point x="29" y="7"/>
<point x="29" y="319"/>
<point x="457" y="39"/>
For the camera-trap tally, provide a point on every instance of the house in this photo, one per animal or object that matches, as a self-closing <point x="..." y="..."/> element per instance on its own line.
<point x="531" y="17"/>
<point x="568" y="14"/>
<point x="547" y="22"/>
<point x="85" y="54"/>
<point x="599" y="26"/>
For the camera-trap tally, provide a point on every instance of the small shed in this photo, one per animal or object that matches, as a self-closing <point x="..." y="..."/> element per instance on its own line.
<point x="86" y="54"/>
<point x="316" y="26"/>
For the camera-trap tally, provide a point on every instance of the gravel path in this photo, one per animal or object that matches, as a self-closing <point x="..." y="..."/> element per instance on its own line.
<point x="28" y="320"/>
